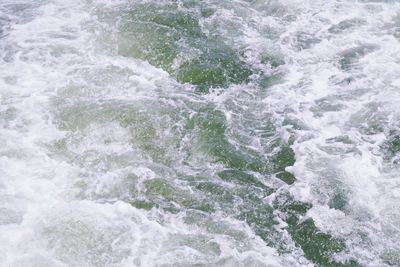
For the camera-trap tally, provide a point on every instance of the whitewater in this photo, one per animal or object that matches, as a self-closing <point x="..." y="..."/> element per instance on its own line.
<point x="199" y="133"/>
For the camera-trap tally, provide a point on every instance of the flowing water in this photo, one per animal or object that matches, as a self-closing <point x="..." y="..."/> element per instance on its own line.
<point x="199" y="133"/>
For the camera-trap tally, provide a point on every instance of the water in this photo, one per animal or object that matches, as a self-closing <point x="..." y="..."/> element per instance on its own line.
<point x="199" y="133"/>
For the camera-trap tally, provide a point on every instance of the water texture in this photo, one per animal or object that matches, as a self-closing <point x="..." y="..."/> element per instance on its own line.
<point x="199" y="133"/>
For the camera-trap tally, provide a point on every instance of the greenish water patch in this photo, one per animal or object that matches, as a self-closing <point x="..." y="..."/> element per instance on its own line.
<point x="285" y="157"/>
<point x="173" y="199"/>
<point x="242" y="178"/>
<point x="211" y="127"/>
<point x="143" y="204"/>
<point x="207" y="12"/>
<point x="319" y="247"/>
<point x="338" y="201"/>
<point x="261" y="219"/>
<point x="152" y="32"/>
<point x="154" y="134"/>
<point x="391" y="147"/>
<point x="217" y="67"/>
<point x="170" y="37"/>
<point x="237" y="187"/>
<point x="217" y="192"/>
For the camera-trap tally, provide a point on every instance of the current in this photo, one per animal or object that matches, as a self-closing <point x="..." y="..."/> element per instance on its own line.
<point x="199" y="133"/>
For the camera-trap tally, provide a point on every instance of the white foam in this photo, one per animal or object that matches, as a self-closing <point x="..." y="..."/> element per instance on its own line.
<point x="69" y="205"/>
<point x="358" y="167"/>
<point x="58" y="207"/>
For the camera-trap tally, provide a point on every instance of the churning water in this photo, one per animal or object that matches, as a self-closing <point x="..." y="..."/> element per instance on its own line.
<point x="199" y="133"/>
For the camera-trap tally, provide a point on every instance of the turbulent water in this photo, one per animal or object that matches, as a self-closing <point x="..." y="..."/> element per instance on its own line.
<point x="199" y="133"/>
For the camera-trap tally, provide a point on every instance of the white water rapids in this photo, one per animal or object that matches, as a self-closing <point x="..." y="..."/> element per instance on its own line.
<point x="79" y="118"/>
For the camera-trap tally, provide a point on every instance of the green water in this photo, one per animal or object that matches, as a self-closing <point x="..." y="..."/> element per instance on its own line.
<point x="204" y="162"/>
<point x="171" y="38"/>
<point x="237" y="187"/>
<point x="208" y="133"/>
